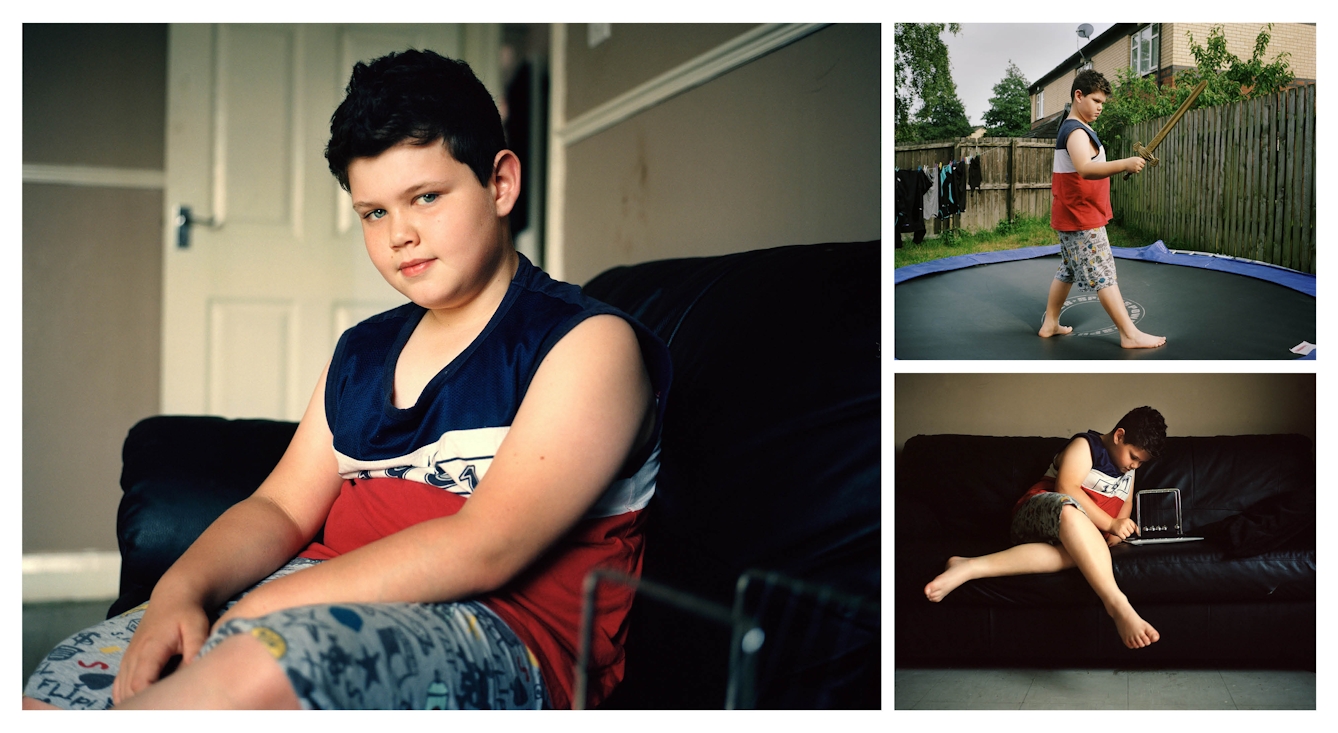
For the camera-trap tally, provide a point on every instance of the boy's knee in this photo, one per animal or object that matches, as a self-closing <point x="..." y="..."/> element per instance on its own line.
<point x="1070" y="513"/>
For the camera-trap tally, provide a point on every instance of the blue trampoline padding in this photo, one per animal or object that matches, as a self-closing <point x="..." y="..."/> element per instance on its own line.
<point x="1155" y="252"/>
<point x="902" y="274"/>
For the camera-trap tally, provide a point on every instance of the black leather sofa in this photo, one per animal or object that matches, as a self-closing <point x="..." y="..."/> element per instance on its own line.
<point x="770" y="460"/>
<point x="1243" y="597"/>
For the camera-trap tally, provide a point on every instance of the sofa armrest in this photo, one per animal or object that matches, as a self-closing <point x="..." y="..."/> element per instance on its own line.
<point x="179" y="473"/>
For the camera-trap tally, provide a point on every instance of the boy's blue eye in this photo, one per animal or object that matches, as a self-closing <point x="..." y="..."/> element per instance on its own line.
<point x="374" y="214"/>
<point x="428" y="198"/>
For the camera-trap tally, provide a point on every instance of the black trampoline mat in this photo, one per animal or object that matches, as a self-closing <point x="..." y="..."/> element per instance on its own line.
<point x="994" y="311"/>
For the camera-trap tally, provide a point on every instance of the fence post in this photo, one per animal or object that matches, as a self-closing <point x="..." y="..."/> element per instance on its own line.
<point x="956" y="222"/>
<point x="1012" y="177"/>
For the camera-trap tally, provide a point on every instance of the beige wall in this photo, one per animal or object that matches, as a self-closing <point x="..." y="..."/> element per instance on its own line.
<point x="92" y="273"/>
<point x="633" y="54"/>
<point x="1108" y="61"/>
<point x="1298" y="39"/>
<point x="784" y="150"/>
<point x="1060" y="405"/>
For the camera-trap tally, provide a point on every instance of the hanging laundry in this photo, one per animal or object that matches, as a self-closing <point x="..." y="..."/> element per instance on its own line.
<point x="910" y="191"/>
<point x="931" y="195"/>
<point x="959" y="181"/>
<point x="947" y="203"/>
<point x="974" y="175"/>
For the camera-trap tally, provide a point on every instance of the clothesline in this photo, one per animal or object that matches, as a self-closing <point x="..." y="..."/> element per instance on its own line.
<point x="935" y="191"/>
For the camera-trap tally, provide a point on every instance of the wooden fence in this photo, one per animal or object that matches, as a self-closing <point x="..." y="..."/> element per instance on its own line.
<point x="1015" y="178"/>
<point x="1235" y="179"/>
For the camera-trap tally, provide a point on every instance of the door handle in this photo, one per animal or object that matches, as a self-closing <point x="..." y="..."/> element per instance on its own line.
<point x="185" y="220"/>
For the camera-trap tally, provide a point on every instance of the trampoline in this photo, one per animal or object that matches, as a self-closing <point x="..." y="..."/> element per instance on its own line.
<point x="989" y="306"/>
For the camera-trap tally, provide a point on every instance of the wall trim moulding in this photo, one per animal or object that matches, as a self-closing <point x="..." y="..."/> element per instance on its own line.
<point x="714" y="63"/>
<point x="83" y="175"/>
<point x="71" y="576"/>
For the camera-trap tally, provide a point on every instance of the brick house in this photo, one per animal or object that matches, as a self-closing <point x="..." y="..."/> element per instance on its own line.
<point x="1160" y="49"/>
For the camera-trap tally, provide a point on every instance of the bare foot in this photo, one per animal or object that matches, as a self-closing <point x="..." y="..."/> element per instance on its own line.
<point x="1133" y="630"/>
<point x="956" y="573"/>
<point x="1052" y="328"/>
<point x="1140" y="340"/>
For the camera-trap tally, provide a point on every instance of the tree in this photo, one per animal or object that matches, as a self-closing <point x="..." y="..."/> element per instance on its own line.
<point x="1009" y="114"/>
<point x="925" y="103"/>
<point x="1230" y="79"/>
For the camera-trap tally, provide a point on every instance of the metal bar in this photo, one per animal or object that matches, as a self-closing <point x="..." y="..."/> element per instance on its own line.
<point x="663" y="593"/>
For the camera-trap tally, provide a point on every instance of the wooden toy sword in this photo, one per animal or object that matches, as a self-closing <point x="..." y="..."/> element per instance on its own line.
<point x="1146" y="153"/>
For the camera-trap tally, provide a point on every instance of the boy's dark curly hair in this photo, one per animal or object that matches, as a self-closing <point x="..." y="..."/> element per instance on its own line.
<point x="1089" y="81"/>
<point x="416" y="96"/>
<point x="1144" y="428"/>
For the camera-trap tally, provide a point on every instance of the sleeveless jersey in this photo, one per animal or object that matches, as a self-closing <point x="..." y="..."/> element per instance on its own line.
<point x="1077" y="204"/>
<point x="1104" y="484"/>
<point x="405" y="466"/>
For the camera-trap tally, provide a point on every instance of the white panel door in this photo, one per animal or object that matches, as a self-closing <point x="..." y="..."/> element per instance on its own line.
<point x="253" y="306"/>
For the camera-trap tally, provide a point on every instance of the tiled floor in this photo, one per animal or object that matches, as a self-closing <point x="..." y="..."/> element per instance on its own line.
<point x="1098" y="689"/>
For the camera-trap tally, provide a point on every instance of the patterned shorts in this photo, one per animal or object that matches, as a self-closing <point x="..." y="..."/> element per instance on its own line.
<point x="1038" y="519"/>
<point x="421" y="656"/>
<point x="1086" y="260"/>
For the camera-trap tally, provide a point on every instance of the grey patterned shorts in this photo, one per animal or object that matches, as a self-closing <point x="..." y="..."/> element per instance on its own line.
<point x="421" y="656"/>
<point x="1038" y="519"/>
<point x="1086" y="260"/>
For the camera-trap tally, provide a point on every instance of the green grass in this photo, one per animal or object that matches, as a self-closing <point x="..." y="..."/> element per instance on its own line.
<point x="1022" y="232"/>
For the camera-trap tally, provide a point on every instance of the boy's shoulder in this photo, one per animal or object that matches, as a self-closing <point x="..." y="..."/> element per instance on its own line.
<point x="1071" y="125"/>
<point x="1091" y="440"/>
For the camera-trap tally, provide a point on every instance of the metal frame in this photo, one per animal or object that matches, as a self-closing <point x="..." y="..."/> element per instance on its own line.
<point x="747" y="637"/>
<point x="1138" y="510"/>
<point x="742" y="659"/>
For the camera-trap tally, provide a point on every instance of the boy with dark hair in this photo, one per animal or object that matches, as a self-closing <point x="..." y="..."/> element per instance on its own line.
<point x="469" y="457"/>
<point x="1080" y="210"/>
<point x="1059" y="522"/>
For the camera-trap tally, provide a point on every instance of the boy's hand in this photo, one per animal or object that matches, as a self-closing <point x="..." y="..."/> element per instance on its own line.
<point x="1113" y="540"/>
<point x="1134" y="164"/>
<point x="1122" y="528"/>
<point x="167" y="629"/>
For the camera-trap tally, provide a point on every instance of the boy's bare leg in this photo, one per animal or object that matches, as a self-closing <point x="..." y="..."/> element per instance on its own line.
<point x="1130" y="336"/>
<point x="1032" y="557"/>
<point x="238" y="674"/>
<point x="1092" y="556"/>
<point x="1054" y="303"/>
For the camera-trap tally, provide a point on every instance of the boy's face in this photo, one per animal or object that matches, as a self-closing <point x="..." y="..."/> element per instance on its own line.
<point x="1087" y="107"/>
<point x="432" y="231"/>
<point x="1127" y="457"/>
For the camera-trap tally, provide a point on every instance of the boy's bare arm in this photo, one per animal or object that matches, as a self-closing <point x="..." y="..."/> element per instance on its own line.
<point x="1074" y="465"/>
<point x="589" y="405"/>
<point x="1124" y="526"/>
<point x="1081" y="152"/>
<point x="246" y="543"/>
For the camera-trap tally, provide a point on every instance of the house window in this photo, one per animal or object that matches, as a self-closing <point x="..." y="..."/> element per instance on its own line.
<point x="1145" y="49"/>
<point x="1040" y="105"/>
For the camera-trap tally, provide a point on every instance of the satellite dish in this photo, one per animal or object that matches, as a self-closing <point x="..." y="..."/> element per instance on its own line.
<point x="1085" y="30"/>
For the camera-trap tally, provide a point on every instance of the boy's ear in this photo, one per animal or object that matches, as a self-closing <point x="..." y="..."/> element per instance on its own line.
<point x="505" y="183"/>
<point x="1118" y="436"/>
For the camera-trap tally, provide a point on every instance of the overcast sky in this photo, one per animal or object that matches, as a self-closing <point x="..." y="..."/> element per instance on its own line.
<point x="981" y="52"/>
